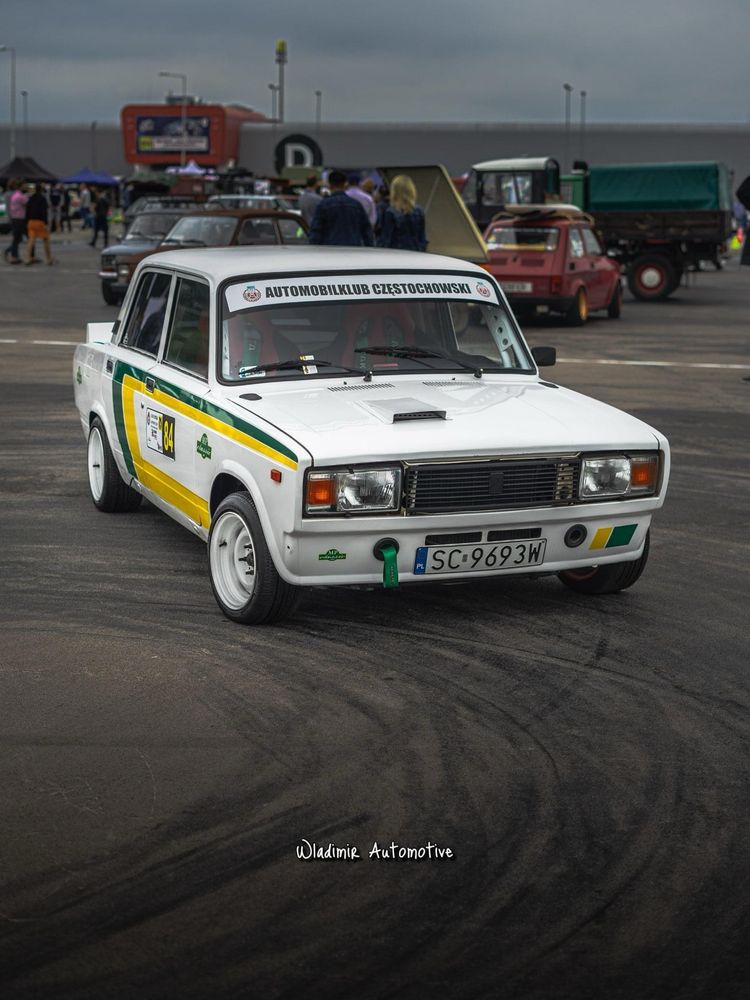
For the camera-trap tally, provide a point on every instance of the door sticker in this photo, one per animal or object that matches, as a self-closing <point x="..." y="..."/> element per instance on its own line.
<point x="160" y="433"/>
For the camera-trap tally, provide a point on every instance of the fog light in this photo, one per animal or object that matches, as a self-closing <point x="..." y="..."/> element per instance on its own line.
<point x="575" y="536"/>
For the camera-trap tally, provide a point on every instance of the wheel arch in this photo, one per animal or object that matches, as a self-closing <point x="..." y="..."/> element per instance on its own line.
<point x="233" y="478"/>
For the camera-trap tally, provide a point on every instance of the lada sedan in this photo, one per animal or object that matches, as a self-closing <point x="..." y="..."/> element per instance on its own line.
<point x="548" y="259"/>
<point x="325" y="416"/>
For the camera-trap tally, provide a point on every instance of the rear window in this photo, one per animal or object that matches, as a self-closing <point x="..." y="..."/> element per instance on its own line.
<point x="523" y="238"/>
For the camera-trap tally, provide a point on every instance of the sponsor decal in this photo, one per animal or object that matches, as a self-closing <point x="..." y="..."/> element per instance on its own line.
<point x="203" y="447"/>
<point x="79" y="377"/>
<point x="610" y="538"/>
<point x="331" y="555"/>
<point x="160" y="433"/>
<point x="347" y="287"/>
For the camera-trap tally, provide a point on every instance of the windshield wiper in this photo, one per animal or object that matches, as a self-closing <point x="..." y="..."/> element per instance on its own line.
<point x="417" y="354"/>
<point x="296" y="364"/>
<point x="185" y="243"/>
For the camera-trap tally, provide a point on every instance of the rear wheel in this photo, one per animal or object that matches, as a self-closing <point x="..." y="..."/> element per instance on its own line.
<point x="579" y="310"/>
<point x="246" y="585"/>
<point x="109" y="491"/>
<point x="608" y="578"/>
<point x="615" y="303"/>
<point x="651" y="277"/>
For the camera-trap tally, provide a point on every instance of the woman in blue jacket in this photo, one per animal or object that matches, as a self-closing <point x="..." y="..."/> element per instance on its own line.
<point x="403" y="219"/>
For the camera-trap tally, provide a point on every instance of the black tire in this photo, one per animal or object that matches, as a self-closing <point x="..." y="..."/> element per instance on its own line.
<point x="651" y="277"/>
<point x="608" y="578"/>
<point x="110" y="296"/>
<point x="615" y="303"/>
<point x="109" y="491"/>
<point x="578" y="312"/>
<point x="235" y="523"/>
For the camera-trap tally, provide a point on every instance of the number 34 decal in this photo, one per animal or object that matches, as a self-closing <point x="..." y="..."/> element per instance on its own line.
<point x="160" y="433"/>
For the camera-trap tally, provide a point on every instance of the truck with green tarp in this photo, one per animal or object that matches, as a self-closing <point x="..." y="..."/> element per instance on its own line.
<point x="657" y="219"/>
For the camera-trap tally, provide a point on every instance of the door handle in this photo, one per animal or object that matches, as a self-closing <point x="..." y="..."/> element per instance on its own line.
<point x="150" y="383"/>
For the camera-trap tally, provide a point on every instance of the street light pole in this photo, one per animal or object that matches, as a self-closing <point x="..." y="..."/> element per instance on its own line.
<point x="9" y="48"/>
<point x="183" y="77"/>
<point x="274" y="90"/>
<point x="25" y="114"/>
<point x="318" y="108"/>
<point x="568" y="90"/>
<point x="583" y="124"/>
<point x="281" y="63"/>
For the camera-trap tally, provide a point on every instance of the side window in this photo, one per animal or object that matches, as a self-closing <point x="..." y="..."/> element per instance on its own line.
<point x="576" y="243"/>
<point x="591" y="243"/>
<point x="146" y="319"/>
<point x="187" y="343"/>
<point x="291" y="232"/>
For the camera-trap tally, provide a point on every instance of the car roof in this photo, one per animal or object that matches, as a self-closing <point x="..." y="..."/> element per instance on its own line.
<point x="221" y="263"/>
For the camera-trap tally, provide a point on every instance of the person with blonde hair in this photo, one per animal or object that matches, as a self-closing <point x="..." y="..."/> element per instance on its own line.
<point x="403" y="219"/>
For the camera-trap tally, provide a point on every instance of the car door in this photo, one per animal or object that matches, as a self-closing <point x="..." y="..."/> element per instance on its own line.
<point x="133" y="359"/>
<point x="577" y="266"/>
<point x="599" y="271"/>
<point x="175" y="424"/>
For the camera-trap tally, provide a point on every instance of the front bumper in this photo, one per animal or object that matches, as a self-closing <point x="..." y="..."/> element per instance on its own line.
<point x="549" y="303"/>
<point x="341" y="551"/>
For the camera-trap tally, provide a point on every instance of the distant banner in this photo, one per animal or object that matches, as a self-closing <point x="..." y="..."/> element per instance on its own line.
<point x="163" y="134"/>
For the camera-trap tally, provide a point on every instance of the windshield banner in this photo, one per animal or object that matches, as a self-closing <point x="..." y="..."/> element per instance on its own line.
<point x="338" y="288"/>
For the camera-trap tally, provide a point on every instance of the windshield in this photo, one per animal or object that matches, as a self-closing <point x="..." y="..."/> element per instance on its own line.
<point x="433" y="323"/>
<point x="154" y="226"/>
<point x="522" y="238"/>
<point x="203" y="230"/>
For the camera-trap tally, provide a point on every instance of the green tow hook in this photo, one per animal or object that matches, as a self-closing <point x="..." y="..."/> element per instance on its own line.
<point x="386" y="551"/>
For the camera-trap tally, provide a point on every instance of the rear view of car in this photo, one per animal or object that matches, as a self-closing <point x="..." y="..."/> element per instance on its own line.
<point x="548" y="259"/>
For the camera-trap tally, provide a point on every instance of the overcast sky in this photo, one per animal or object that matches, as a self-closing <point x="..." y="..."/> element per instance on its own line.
<point x="394" y="60"/>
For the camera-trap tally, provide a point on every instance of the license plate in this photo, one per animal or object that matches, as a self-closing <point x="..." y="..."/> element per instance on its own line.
<point x="474" y="558"/>
<point x="516" y="286"/>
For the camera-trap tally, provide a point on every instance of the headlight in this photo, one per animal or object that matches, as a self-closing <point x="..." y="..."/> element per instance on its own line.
<point x="619" y="475"/>
<point x="363" y="490"/>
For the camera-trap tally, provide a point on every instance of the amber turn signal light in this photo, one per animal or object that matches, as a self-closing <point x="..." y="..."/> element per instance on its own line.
<point x="643" y="473"/>
<point x="321" y="492"/>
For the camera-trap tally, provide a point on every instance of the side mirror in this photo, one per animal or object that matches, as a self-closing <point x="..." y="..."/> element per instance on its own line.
<point x="544" y="357"/>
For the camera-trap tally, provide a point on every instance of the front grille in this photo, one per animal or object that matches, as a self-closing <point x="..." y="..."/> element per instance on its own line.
<point x="494" y="485"/>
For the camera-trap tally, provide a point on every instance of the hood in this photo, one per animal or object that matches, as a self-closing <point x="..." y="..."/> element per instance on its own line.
<point x="131" y="247"/>
<point x="441" y="416"/>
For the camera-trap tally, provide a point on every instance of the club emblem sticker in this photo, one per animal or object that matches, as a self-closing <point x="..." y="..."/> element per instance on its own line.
<point x="483" y="290"/>
<point x="251" y="293"/>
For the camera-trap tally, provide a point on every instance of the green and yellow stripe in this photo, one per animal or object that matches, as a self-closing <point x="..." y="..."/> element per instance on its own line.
<point x="610" y="538"/>
<point x="126" y="381"/>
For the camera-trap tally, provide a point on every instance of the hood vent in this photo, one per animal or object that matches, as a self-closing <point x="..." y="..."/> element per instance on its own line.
<point x="419" y="415"/>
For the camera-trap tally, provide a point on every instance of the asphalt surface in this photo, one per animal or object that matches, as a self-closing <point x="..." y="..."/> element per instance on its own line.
<point x="585" y="759"/>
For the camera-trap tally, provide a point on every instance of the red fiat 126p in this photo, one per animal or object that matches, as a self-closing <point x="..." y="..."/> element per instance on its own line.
<point x="547" y="259"/>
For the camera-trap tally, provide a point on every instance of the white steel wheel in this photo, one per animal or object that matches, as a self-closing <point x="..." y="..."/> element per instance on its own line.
<point x="108" y="489"/>
<point x="96" y="464"/>
<point x="232" y="560"/>
<point x="244" y="579"/>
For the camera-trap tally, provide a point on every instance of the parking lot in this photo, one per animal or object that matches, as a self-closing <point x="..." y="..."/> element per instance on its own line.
<point x="586" y="760"/>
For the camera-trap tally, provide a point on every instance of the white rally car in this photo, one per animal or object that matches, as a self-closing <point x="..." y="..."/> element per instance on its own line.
<point x="330" y="416"/>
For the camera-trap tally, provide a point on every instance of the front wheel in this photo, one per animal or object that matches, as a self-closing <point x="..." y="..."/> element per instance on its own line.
<point x="608" y="578"/>
<point x="109" y="491"/>
<point x="110" y="296"/>
<point x="579" y="310"/>
<point x="246" y="585"/>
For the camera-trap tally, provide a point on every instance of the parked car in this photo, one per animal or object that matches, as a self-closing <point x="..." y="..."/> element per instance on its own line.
<point x="548" y="259"/>
<point x="204" y="228"/>
<point x="146" y="231"/>
<point x="189" y="202"/>
<point x="261" y="202"/>
<point x="324" y="416"/>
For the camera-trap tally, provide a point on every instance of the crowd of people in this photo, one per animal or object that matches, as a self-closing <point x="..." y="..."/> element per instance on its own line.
<point x="37" y="210"/>
<point x="355" y="213"/>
